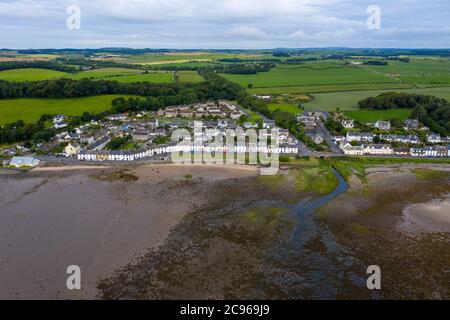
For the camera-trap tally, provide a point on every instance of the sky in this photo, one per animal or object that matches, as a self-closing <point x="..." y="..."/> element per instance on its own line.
<point x="224" y="24"/>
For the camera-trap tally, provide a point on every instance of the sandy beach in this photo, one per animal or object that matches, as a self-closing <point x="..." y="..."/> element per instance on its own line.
<point x="98" y="218"/>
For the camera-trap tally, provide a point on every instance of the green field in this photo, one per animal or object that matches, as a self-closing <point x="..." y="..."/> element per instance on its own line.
<point x="183" y="57"/>
<point x="287" y="107"/>
<point x="365" y="116"/>
<point x="29" y="110"/>
<point x="151" y="77"/>
<point x="334" y="76"/>
<point x="349" y="100"/>
<point x="189" y="76"/>
<point x="313" y="77"/>
<point x="113" y="74"/>
<point x="329" y="88"/>
<point x="103" y="73"/>
<point x="30" y="74"/>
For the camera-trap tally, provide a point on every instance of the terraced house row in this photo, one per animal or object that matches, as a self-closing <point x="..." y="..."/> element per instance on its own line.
<point x="133" y="155"/>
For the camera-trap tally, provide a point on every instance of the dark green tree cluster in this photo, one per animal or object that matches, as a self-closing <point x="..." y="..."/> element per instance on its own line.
<point x="215" y="88"/>
<point x="51" y="65"/>
<point x="432" y="111"/>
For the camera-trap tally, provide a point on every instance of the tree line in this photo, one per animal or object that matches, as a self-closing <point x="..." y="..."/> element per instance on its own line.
<point x="41" y="64"/>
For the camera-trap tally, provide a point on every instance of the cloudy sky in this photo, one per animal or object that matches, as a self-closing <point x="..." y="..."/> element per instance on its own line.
<point x="241" y="24"/>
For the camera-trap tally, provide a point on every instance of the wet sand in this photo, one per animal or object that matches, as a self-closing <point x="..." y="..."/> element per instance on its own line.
<point x="219" y="233"/>
<point x="398" y="220"/>
<point x="97" y="218"/>
<point x="433" y="216"/>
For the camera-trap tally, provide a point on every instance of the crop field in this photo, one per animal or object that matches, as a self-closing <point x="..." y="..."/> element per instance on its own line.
<point x="365" y="116"/>
<point x="329" y="88"/>
<point x="103" y="73"/>
<point x="313" y="77"/>
<point x="113" y="74"/>
<point x="166" y="77"/>
<point x="287" y="107"/>
<point x="189" y="76"/>
<point x="181" y="57"/>
<point x="418" y="71"/>
<point x="30" y="74"/>
<point x="29" y="110"/>
<point x="348" y="100"/>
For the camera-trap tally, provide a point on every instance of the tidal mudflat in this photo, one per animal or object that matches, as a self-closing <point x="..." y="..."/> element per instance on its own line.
<point x="171" y="232"/>
<point x="270" y="239"/>
<point x="97" y="218"/>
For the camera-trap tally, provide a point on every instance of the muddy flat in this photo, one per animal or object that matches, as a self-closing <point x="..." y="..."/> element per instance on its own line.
<point x="96" y="218"/>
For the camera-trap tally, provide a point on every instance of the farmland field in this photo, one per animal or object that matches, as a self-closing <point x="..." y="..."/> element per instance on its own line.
<point x="287" y="107"/>
<point x="312" y="74"/>
<point x="329" y="88"/>
<point x="418" y="71"/>
<point x="189" y="76"/>
<point x="334" y="76"/>
<point x="113" y="74"/>
<point x="181" y="57"/>
<point x="374" y="115"/>
<point x="103" y="73"/>
<point x="150" y="77"/>
<point x="30" y="74"/>
<point x="349" y="100"/>
<point x="29" y="110"/>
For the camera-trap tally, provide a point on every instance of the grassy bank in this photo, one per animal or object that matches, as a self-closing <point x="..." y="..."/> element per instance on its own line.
<point x="29" y="110"/>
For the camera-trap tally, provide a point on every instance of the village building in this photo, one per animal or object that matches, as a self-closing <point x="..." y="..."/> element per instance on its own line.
<point x="411" y="139"/>
<point x="20" y="162"/>
<point x="378" y="149"/>
<point x="434" y="151"/>
<point x="316" y="138"/>
<point x="72" y="149"/>
<point x="117" y="117"/>
<point x="59" y="118"/>
<point x="359" y="136"/>
<point x="434" y="138"/>
<point x="348" y="124"/>
<point x="411" y="124"/>
<point x="60" y="125"/>
<point x="100" y="144"/>
<point x="140" y="135"/>
<point x="401" y="151"/>
<point x="269" y="124"/>
<point x="383" y="125"/>
<point x="348" y="149"/>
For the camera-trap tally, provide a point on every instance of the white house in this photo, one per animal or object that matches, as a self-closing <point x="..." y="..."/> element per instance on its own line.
<point x="60" y="125"/>
<point x="383" y="125"/>
<point x="434" y="138"/>
<point x="348" y="149"/>
<point x="435" y="151"/>
<point x="378" y="149"/>
<point x="400" y="138"/>
<point x="348" y="124"/>
<point x="24" y="162"/>
<point x="359" y="136"/>
<point x="59" y="118"/>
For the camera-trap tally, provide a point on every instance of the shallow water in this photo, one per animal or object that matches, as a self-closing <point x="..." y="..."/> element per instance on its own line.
<point x="311" y="263"/>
